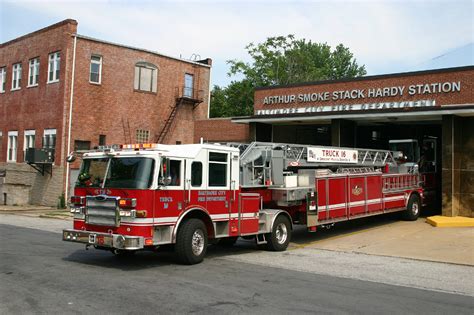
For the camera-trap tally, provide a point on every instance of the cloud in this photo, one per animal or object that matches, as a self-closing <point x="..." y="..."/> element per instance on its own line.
<point x="381" y="34"/>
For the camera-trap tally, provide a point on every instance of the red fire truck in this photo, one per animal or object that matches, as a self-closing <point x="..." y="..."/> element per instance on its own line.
<point x="137" y="197"/>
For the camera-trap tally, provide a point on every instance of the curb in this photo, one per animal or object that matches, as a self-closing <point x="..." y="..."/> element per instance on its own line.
<point x="442" y="221"/>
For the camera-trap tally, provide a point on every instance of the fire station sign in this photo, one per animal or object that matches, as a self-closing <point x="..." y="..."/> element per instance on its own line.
<point x="330" y="155"/>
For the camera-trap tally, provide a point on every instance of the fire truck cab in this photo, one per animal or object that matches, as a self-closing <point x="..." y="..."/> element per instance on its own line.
<point x="147" y="196"/>
<point x="144" y="196"/>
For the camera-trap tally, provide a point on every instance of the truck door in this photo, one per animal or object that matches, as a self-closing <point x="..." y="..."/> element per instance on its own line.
<point x="195" y="186"/>
<point x="218" y="194"/>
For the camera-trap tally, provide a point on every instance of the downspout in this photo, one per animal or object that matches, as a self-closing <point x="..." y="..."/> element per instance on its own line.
<point x="66" y="190"/>
<point x="209" y="96"/>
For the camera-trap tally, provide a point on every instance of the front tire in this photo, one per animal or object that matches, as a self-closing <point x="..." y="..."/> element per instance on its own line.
<point x="280" y="236"/>
<point x="413" y="208"/>
<point x="191" y="242"/>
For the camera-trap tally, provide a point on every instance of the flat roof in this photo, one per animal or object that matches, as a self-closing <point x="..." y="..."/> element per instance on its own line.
<point x="367" y="78"/>
<point x="197" y="62"/>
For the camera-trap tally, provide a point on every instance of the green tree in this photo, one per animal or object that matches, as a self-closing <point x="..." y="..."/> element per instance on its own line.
<point x="281" y="60"/>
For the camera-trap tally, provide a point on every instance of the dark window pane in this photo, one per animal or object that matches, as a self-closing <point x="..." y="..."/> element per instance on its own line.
<point x="217" y="157"/>
<point x="82" y="145"/>
<point x="217" y="174"/>
<point x="102" y="139"/>
<point x="134" y="173"/>
<point x="196" y="174"/>
<point x="175" y="172"/>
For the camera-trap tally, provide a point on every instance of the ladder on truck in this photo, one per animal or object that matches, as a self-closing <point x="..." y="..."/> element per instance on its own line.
<point x="264" y="163"/>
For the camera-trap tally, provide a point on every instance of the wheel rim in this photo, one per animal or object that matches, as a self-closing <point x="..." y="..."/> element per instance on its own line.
<point x="415" y="208"/>
<point x="281" y="233"/>
<point x="198" y="242"/>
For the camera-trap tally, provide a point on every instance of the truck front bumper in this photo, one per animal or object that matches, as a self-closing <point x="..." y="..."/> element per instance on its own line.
<point x="112" y="241"/>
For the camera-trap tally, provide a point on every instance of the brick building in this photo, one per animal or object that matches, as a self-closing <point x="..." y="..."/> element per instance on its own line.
<point x="434" y="107"/>
<point x="65" y="92"/>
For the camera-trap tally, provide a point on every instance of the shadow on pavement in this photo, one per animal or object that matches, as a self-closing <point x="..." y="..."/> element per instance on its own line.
<point x="164" y="256"/>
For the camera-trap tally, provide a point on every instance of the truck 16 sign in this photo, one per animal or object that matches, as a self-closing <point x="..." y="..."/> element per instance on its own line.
<point x="330" y="155"/>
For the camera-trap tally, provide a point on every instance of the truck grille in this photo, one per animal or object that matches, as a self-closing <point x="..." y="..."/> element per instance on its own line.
<point x="102" y="210"/>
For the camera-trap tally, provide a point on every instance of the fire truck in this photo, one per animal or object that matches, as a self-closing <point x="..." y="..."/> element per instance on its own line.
<point x="141" y="197"/>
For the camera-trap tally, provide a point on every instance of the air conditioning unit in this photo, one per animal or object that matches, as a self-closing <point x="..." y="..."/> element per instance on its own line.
<point x="37" y="156"/>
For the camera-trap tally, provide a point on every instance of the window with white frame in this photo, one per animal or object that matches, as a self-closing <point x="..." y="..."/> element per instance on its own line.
<point x="3" y="79"/>
<point x="96" y="69"/>
<point x="49" y="139"/>
<point x="33" y="74"/>
<point x="146" y="76"/>
<point x="29" y="139"/>
<point x="16" y="76"/>
<point x="12" y="146"/>
<point x="54" y="64"/>
<point x="188" y="85"/>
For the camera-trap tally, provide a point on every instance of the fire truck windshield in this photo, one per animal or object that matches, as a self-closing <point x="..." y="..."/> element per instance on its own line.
<point x="117" y="172"/>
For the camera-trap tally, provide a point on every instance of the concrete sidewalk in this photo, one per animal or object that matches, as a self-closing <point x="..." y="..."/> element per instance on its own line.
<point x="414" y="240"/>
<point x="37" y="211"/>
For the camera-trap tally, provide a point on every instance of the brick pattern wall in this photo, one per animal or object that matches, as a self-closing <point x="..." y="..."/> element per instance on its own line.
<point x="465" y="96"/>
<point x="114" y="107"/>
<point x="220" y="130"/>
<point x="40" y="107"/>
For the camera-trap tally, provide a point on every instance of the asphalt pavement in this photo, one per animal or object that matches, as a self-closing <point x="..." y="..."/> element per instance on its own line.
<point x="41" y="274"/>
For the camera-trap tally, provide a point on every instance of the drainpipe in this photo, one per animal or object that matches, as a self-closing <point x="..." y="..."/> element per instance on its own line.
<point x="209" y="96"/>
<point x="66" y="190"/>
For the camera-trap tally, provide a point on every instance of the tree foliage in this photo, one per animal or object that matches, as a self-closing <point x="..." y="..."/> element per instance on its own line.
<point x="281" y="60"/>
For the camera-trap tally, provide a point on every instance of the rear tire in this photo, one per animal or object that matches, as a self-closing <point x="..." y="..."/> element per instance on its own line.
<point x="280" y="236"/>
<point x="413" y="208"/>
<point x="191" y="242"/>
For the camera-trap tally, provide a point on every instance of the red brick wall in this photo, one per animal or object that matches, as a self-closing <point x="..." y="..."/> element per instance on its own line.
<point x="465" y="96"/>
<point x="220" y="130"/>
<point x="102" y="109"/>
<point x="41" y="107"/>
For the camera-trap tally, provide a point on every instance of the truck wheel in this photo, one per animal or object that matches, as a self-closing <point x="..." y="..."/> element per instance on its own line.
<point x="413" y="208"/>
<point x="191" y="242"/>
<point x="280" y="236"/>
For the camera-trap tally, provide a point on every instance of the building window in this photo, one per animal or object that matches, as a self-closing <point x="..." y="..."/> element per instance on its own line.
<point x="16" y="77"/>
<point x="12" y="146"/>
<point x="81" y="145"/>
<point x="3" y="79"/>
<point x="96" y="70"/>
<point x="49" y="139"/>
<point x="146" y="76"/>
<point x="29" y="139"/>
<point x="53" y="67"/>
<point x="217" y="169"/>
<point x="33" y="74"/>
<point x="102" y="139"/>
<point x="188" y="85"/>
<point x="142" y="136"/>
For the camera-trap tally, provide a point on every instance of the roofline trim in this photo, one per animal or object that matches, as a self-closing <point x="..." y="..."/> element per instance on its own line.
<point x="41" y="30"/>
<point x="367" y="78"/>
<point x="443" y="110"/>
<point x="142" y="50"/>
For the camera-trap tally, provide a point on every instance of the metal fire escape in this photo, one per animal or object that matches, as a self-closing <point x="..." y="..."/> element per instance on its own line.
<point x="184" y="96"/>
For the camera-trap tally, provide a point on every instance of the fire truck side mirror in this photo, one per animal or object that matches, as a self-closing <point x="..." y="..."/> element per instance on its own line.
<point x="71" y="157"/>
<point x="165" y="177"/>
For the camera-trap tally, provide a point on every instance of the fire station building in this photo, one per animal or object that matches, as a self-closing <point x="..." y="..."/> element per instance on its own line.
<point x="62" y="92"/>
<point x="432" y="110"/>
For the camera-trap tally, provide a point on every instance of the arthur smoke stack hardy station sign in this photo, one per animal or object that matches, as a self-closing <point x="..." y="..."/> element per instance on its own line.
<point x="369" y="95"/>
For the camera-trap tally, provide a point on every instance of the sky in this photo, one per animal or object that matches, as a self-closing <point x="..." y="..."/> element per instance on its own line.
<point x="385" y="36"/>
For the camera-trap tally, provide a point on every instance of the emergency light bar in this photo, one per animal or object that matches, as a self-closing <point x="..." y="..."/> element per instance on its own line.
<point x="139" y="146"/>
